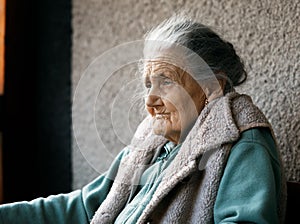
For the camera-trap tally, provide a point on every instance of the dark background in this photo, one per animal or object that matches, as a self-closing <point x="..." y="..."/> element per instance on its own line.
<point x="36" y="105"/>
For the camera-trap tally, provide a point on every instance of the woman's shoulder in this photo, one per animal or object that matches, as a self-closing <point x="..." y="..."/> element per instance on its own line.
<point x="250" y="187"/>
<point x="260" y="139"/>
<point x="258" y="135"/>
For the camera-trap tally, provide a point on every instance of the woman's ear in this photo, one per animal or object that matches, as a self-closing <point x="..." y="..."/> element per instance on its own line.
<point x="214" y="88"/>
<point x="222" y="83"/>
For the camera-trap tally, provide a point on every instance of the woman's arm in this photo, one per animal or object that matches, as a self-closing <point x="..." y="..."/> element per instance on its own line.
<point x="250" y="187"/>
<point x="76" y="207"/>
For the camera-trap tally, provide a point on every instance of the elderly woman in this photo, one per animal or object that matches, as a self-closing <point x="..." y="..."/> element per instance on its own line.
<point x="205" y="154"/>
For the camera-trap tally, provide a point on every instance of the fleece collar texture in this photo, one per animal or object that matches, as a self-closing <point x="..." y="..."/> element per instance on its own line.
<point x="218" y="125"/>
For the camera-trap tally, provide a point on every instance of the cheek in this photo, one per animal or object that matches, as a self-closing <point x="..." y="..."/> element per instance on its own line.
<point x="171" y="104"/>
<point x="174" y="109"/>
<point x="175" y="118"/>
<point x="184" y="113"/>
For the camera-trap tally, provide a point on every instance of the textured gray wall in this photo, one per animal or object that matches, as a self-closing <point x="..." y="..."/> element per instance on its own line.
<point x="266" y="35"/>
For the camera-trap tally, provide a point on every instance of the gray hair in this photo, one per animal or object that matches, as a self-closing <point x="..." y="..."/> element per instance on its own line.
<point x="218" y="54"/>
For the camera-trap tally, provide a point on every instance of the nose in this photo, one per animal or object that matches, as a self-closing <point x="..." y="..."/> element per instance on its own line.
<point x="153" y="101"/>
<point x="153" y="98"/>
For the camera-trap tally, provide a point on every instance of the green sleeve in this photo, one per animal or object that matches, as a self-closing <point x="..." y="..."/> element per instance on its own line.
<point x="250" y="187"/>
<point x="76" y="207"/>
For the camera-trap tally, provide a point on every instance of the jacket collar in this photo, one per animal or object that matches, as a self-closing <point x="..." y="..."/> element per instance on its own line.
<point x="220" y="123"/>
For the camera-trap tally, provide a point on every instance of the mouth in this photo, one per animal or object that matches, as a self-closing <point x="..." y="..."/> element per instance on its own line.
<point x="164" y="116"/>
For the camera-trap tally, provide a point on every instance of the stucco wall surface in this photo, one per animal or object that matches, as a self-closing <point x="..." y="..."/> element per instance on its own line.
<point x="265" y="33"/>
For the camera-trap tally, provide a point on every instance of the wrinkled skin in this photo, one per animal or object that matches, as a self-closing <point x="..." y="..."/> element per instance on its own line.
<point x="174" y="99"/>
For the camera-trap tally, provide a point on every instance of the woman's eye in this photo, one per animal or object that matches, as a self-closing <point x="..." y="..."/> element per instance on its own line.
<point x="148" y="85"/>
<point x="167" y="82"/>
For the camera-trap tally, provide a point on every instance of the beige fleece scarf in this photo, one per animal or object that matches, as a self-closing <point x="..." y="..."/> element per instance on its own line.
<point x="220" y="123"/>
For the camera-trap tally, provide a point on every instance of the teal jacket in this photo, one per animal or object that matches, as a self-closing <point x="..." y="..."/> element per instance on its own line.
<point x="249" y="191"/>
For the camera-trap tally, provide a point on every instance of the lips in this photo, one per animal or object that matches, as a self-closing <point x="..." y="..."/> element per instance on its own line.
<point x="164" y="116"/>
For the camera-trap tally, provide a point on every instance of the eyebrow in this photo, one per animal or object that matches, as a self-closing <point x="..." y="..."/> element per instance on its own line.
<point x="163" y="75"/>
<point x="159" y="75"/>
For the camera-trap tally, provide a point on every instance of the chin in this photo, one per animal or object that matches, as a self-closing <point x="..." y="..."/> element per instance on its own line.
<point x="159" y="131"/>
<point x="163" y="128"/>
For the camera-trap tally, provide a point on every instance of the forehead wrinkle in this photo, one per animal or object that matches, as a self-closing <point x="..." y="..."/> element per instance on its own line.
<point x="162" y="69"/>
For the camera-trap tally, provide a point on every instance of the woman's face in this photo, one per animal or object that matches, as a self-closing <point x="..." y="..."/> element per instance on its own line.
<point x="174" y="99"/>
